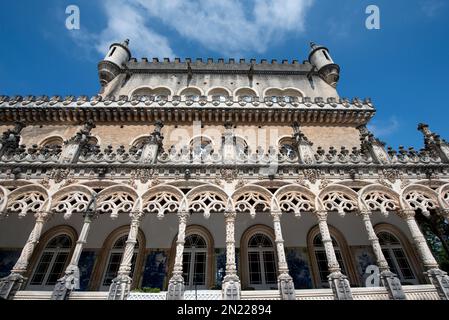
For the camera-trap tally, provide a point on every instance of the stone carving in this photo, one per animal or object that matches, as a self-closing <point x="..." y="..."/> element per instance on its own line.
<point x="9" y="142"/>
<point x="161" y="204"/>
<point x="295" y="202"/>
<point x="229" y="175"/>
<point x="312" y="175"/>
<point x="252" y="202"/>
<point x="207" y="203"/>
<point x="340" y="202"/>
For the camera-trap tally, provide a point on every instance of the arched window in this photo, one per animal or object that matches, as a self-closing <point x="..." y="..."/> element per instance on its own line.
<point x="52" y="142"/>
<point x="396" y="257"/>
<point x="195" y="262"/>
<point x="52" y="262"/>
<point x="261" y="262"/>
<point x="287" y="148"/>
<point x="321" y="259"/>
<point x="114" y="260"/>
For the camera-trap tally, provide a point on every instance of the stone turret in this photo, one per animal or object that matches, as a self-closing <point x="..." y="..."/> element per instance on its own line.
<point x="321" y="59"/>
<point x="111" y="66"/>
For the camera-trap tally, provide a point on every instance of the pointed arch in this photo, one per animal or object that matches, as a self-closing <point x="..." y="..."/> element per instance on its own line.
<point x="118" y="199"/>
<point x="162" y="200"/>
<point x="208" y="199"/>
<point x="252" y="199"/>
<point x="420" y="197"/>
<point x="295" y="199"/>
<point x="377" y="197"/>
<point x="31" y="198"/>
<point x="339" y="198"/>
<point x="71" y="199"/>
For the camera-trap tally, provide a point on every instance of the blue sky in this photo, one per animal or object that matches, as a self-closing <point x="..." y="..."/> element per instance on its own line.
<point x="403" y="67"/>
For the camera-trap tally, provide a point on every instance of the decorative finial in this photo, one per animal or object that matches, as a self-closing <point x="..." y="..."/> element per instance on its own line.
<point x="312" y="45"/>
<point x="126" y="43"/>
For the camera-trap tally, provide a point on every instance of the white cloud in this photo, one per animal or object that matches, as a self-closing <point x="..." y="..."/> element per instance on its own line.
<point x="432" y="7"/>
<point x="225" y="26"/>
<point x="385" y="128"/>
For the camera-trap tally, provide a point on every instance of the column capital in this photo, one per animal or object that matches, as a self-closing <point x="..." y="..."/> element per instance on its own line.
<point x="276" y="213"/>
<point x="321" y="215"/>
<point x="407" y="213"/>
<point x="230" y="214"/>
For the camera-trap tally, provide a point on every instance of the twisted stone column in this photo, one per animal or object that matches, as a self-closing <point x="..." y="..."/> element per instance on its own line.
<point x="176" y="285"/>
<point x="389" y="280"/>
<point x="285" y="281"/>
<point x="71" y="278"/>
<point x="437" y="277"/>
<point x="337" y="281"/>
<point x="121" y="285"/>
<point x="231" y="282"/>
<point x="14" y="282"/>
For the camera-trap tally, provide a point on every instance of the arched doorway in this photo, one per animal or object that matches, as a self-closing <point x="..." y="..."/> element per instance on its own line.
<point x="195" y="262"/>
<point x="261" y="262"/>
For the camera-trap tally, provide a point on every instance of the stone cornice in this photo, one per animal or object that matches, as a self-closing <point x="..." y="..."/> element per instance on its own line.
<point x="141" y="109"/>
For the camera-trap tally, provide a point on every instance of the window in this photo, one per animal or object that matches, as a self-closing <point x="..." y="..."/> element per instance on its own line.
<point x="321" y="259"/>
<point x="52" y="263"/>
<point x="289" y="151"/>
<point x="261" y="262"/>
<point x="396" y="257"/>
<point x="195" y="262"/>
<point x="112" y="52"/>
<point x="201" y="146"/>
<point x="115" y="259"/>
<point x="326" y="55"/>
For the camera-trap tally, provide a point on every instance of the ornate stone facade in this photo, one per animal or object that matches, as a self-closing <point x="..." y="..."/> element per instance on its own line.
<point x="221" y="167"/>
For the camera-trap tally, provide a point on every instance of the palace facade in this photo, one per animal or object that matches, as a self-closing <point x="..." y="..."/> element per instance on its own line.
<point x="231" y="179"/>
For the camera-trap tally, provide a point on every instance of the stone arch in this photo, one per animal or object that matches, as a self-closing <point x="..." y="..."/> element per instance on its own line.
<point x="162" y="200"/>
<point x="218" y="90"/>
<point x="295" y="199"/>
<point x="272" y="91"/>
<point x="252" y="199"/>
<point x="71" y="199"/>
<point x="294" y="92"/>
<point x="339" y="198"/>
<point x="102" y="260"/>
<point x="118" y="199"/>
<point x="420" y="197"/>
<point x="51" y="141"/>
<point x="196" y="138"/>
<point x="30" y="198"/>
<point x="246" y="236"/>
<point x="208" y="199"/>
<point x="245" y="91"/>
<point x="343" y="246"/>
<point x="45" y="238"/>
<point x="443" y="196"/>
<point x="207" y="235"/>
<point x="193" y="89"/>
<point x="406" y="245"/>
<point x="142" y="91"/>
<point x="138" y="140"/>
<point x="377" y="197"/>
<point x="162" y="91"/>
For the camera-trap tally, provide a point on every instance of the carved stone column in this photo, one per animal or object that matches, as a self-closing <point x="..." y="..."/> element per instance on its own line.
<point x="153" y="145"/>
<point x="285" y="281"/>
<point x="14" y="282"/>
<point x="437" y="277"/>
<point x="337" y="281"/>
<point x="71" y="279"/>
<point x="389" y="280"/>
<point x="176" y="285"/>
<point x="121" y="285"/>
<point x="231" y="283"/>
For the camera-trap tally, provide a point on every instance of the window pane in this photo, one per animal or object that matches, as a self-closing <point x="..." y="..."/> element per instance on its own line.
<point x="340" y="261"/>
<point x="42" y="268"/>
<point x="58" y="268"/>
<point x="403" y="264"/>
<point x="270" y="267"/>
<point x="199" y="271"/>
<point x="321" y="260"/>
<point x="113" y="266"/>
<point x="255" y="276"/>
<point x="390" y="262"/>
<point x="186" y="267"/>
